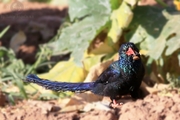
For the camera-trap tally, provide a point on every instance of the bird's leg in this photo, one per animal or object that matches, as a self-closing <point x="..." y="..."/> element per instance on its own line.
<point x="114" y="103"/>
<point x="134" y="94"/>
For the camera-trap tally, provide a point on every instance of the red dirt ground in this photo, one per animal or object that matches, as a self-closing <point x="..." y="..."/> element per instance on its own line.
<point x="152" y="107"/>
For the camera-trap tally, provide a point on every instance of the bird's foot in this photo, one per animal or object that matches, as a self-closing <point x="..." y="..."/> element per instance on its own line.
<point x="114" y="104"/>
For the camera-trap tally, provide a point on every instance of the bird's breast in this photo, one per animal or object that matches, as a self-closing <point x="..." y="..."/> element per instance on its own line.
<point x="130" y="70"/>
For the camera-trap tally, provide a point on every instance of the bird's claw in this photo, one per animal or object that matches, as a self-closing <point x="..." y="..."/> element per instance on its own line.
<point x="114" y="104"/>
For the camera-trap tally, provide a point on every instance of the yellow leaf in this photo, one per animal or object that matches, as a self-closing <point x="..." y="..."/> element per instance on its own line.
<point x="103" y="49"/>
<point x="143" y="52"/>
<point x="66" y="71"/>
<point x="88" y="62"/>
<point x="96" y="70"/>
<point x="121" y="18"/>
<point x="32" y="88"/>
<point x="177" y="4"/>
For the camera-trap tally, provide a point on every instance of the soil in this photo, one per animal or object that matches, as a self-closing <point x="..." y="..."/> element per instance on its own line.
<point x="152" y="107"/>
<point x="36" y="20"/>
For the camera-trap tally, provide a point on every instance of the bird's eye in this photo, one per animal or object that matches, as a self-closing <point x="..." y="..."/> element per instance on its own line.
<point x="124" y="50"/>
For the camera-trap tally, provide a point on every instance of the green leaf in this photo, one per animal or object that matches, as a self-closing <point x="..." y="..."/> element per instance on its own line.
<point x="82" y="8"/>
<point x="20" y="85"/>
<point x="115" y="3"/>
<point x="4" y="31"/>
<point x="173" y="29"/>
<point x="171" y="33"/>
<point x="153" y="32"/>
<point x="144" y="26"/>
<point x="76" y="38"/>
<point x="173" y="44"/>
<point x="157" y="47"/>
<point x="3" y="51"/>
<point x="146" y="29"/>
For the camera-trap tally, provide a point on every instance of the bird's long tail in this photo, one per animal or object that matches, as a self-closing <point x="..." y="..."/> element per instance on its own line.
<point x="59" y="86"/>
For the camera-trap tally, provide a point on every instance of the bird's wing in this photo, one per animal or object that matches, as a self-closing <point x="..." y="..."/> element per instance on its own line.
<point x="111" y="74"/>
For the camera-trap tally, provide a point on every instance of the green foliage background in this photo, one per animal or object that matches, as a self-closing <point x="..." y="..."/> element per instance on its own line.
<point x="153" y="29"/>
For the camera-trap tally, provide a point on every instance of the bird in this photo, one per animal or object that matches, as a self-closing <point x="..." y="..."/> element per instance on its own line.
<point x="122" y="77"/>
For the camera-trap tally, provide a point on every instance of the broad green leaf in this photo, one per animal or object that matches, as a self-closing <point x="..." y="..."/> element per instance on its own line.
<point x="121" y="19"/>
<point x="76" y="38"/>
<point x="82" y="8"/>
<point x="157" y="47"/>
<point x="66" y="71"/>
<point x="173" y="31"/>
<point x="153" y="32"/>
<point x="173" y="43"/>
<point x="157" y="32"/>
<point x="139" y="35"/>
<point x="144" y="26"/>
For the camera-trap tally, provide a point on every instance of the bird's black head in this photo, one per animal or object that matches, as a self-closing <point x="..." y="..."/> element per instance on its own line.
<point x="129" y="51"/>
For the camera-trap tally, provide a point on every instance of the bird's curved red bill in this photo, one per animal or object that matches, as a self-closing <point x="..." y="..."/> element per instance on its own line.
<point x="131" y="52"/>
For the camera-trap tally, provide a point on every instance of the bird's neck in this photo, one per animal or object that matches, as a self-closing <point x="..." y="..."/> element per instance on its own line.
<point x="129" y="67"/>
